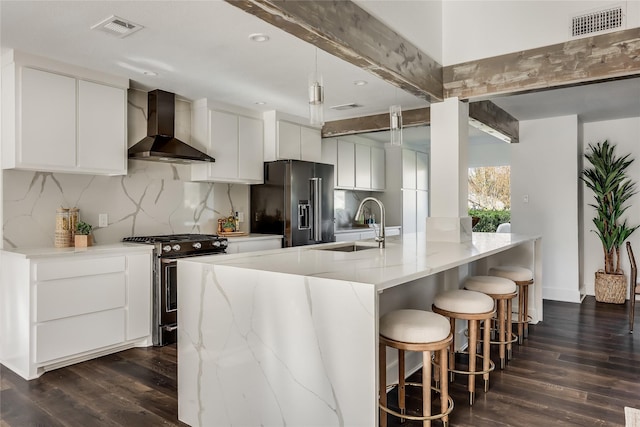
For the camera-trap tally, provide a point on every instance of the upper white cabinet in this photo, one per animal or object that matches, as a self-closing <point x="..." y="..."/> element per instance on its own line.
<point x="378" y="170"/>
<point x="285" y="139"/>
<point x="358" y="166"/>
<point x="345" y="167"/>
<point x="61" y="119"/>
<point x="235" y="142"/>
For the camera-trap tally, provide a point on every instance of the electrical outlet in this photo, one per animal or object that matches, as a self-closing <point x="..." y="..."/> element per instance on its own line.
<point x="103" y="220"/>
<point x="241" y="216"/>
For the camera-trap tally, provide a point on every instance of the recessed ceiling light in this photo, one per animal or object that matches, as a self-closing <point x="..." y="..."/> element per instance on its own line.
<point x="150" y="73"/>
<point x="360" y="82"/>
<point x="260" y="103"/>
<point x="259" y="38"/>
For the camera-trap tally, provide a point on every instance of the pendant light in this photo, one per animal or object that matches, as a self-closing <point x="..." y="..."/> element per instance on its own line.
<point x="316" y="97"/>
<point x="395" y="124"/>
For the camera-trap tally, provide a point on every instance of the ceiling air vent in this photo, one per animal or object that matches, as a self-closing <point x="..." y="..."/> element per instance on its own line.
<point x="117" y="27"/>
<point x="349" y="106"/>
<point x="602" y="20"/>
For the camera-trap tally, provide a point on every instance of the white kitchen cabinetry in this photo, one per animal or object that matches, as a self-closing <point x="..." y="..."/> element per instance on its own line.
<point x="346" y="168"/>
<point x="60" y="119"/>
<point x="253" y="244"/>
<point x="364" y="233"/>
<point x="406" y="198"/>
<point x="363" y="166"/>
<point x="287" y="140"/>
<point x="357" y="166"/>
<point x="235" y="141"/>
<point x="378" y="174"/>
<point x="82" y="306"/>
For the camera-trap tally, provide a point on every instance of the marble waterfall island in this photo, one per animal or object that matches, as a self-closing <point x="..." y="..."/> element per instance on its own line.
<point x="289" y="336"/>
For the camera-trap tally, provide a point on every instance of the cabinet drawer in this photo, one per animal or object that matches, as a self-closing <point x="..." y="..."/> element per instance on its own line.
<point x="77" y="268"/>
<point x="74" y="335"/>
<point x="56" y="299"/>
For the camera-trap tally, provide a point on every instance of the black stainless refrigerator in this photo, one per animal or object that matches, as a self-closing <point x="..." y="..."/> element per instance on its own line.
<point x="296" y="200"/>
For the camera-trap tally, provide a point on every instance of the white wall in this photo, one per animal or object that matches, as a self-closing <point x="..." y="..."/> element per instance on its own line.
<point x="544" y="167"/>
<point x="480" y="29"/>
<point x="488" y="155"/>
<point x="625" y="134"/>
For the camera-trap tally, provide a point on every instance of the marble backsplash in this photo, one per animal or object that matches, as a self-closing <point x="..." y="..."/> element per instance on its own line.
<point x="153" y="198"/>
<point x="345" y="205"/>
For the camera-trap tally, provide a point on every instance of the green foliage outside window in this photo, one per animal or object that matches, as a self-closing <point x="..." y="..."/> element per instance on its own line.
<point x="489" y="219"/>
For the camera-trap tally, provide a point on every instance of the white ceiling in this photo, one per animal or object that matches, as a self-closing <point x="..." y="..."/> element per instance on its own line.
<point x="201" y="49"/>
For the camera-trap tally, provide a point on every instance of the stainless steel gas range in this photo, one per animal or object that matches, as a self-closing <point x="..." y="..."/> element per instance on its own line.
<point x="168" y="249"/>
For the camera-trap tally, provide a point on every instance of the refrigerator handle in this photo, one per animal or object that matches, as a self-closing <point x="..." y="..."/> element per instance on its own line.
<point x="316" y="187"/>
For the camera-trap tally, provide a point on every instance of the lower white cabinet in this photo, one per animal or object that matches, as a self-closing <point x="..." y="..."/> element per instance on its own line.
<point x="363" y="234"/>
<point x="242" y="245"/>
<point x="66" y="308"/>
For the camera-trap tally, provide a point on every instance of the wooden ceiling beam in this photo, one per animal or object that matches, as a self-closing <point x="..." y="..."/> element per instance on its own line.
<point x="485" y="112"/>
<point x="587" y="60"/>
<point x="374" y="123"/>
<point x="347" y="31"/>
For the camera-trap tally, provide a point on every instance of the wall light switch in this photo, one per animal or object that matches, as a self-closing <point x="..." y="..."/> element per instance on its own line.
<point x="525" y="199"/>
<point x="241" y="216"/>
<point x="103" y="220"/>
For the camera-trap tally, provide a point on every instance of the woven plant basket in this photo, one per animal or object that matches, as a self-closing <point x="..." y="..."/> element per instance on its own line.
<point x="611" y="288"/>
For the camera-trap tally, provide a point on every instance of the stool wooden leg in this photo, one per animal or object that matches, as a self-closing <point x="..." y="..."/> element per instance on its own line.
<point x="452" y="349"/>
<point x="382" y="378"/>
<point x="526" y="311"/>
<point x="508" y="328"/>
<point x="401" y="384"/>
<point x="521" y="313"/>
<point x="486" y="353"/>
<point x="444" y="387"/>
<point x="501" y="330"/>
<point x="473" y="339"/>
<point x="426" y="387"/>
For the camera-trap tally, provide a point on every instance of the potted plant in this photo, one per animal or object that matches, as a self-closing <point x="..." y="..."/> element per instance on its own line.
<point x="82" y="238"/>
<point x="612" y="188"/>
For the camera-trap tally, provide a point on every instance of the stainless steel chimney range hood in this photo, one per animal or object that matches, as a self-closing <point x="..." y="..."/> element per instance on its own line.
<point x="160" y="144"/>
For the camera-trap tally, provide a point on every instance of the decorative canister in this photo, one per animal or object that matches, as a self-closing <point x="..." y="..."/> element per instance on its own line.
<point x="74" y="215"/>
<point x="63" y="233"/>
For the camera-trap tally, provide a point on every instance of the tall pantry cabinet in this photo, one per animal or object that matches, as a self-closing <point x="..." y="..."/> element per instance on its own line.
<point x="407" y="196"/>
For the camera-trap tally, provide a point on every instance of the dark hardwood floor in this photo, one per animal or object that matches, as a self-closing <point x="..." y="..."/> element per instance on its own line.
<point x="579" y="367"/>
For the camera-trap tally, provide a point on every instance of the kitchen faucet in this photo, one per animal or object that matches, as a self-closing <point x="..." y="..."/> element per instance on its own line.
<point x="379" y="239"/>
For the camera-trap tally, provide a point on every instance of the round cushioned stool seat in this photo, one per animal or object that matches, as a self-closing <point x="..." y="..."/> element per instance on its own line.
<point x="462" y="301"/>
<point x="512" y="272"/>
<point x="490" y="285"/>
<point x="414" y="326"/>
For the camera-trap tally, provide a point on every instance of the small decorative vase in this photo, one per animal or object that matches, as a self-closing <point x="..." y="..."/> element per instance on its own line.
<point x="82" y="240"/>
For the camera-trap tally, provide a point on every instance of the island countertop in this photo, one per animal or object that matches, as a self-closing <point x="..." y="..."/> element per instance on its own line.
<point x="404" y="258"/>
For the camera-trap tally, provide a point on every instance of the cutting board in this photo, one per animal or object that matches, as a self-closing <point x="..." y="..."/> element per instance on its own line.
<point x="233" y="233"/>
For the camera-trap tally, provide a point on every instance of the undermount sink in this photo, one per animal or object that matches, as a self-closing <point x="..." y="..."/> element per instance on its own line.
<point x="351" y="247"/>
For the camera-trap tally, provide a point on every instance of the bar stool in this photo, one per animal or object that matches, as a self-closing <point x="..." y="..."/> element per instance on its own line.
<point x="415" y="330"/>
<point x="523" y="278"/>
<point x="503" y="291"/>
<point x="473" y="307"/>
